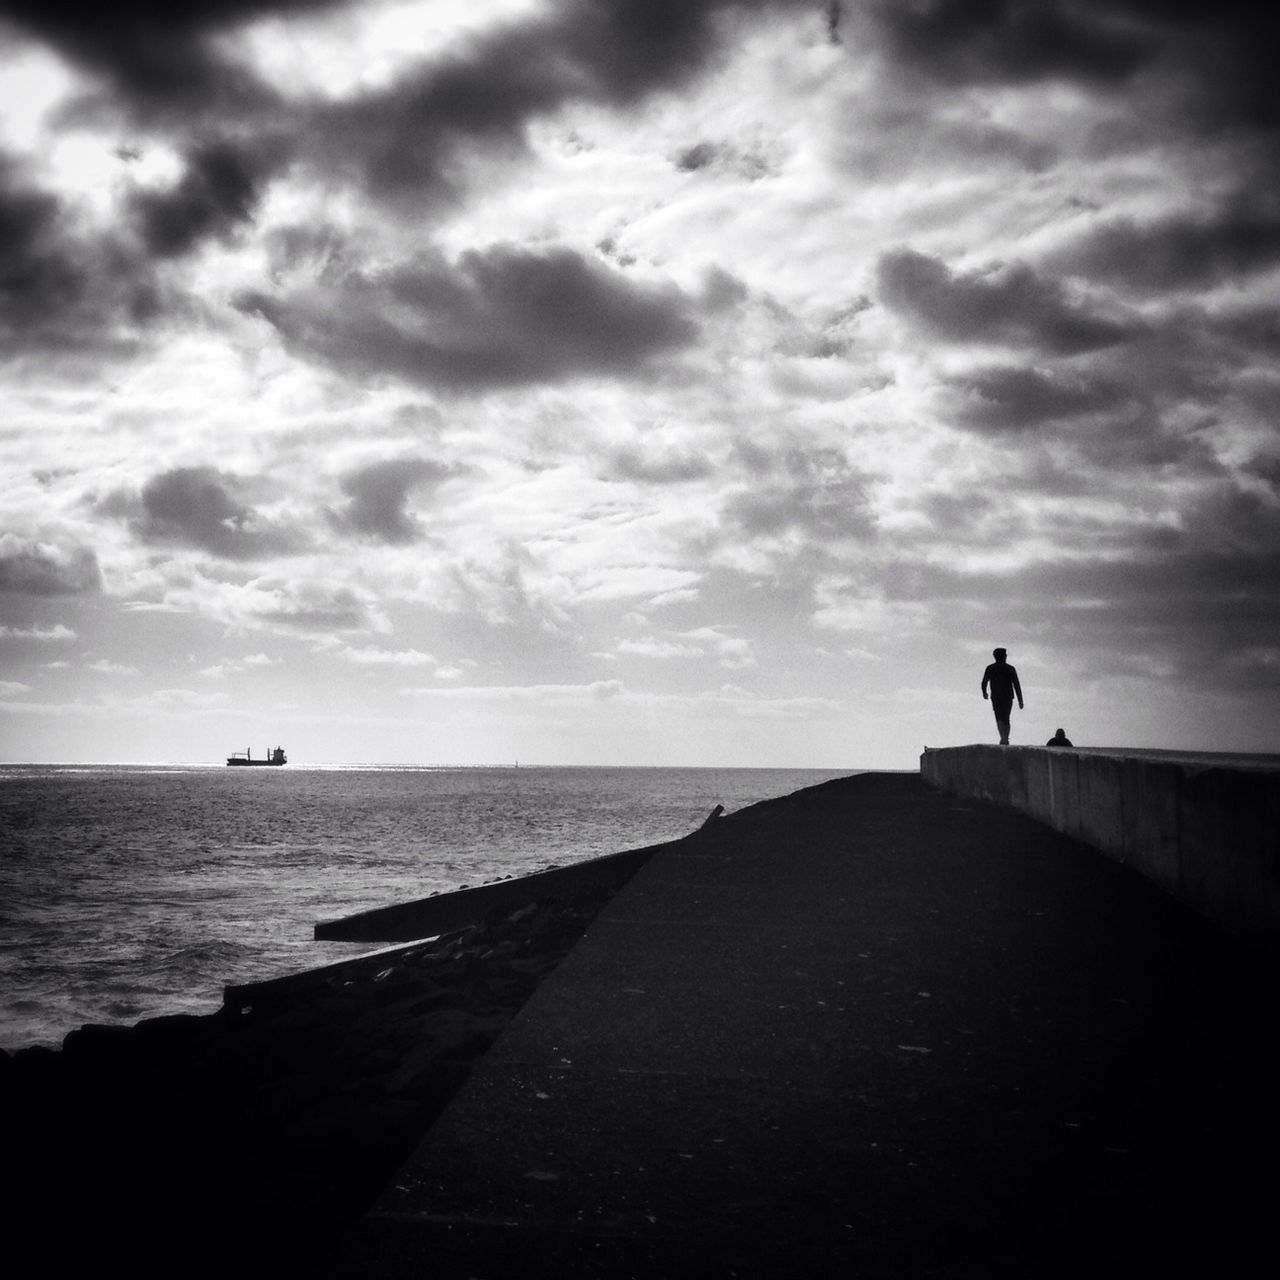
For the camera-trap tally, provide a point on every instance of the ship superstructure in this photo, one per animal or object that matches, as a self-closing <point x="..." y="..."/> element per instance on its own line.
<point x="276" y="756"/>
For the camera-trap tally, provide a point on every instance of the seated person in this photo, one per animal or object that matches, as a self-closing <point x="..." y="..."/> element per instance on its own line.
<point x="1059" y="739"/>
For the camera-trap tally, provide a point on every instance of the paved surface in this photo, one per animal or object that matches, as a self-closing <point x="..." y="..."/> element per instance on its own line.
<point x="874" y="1030"/>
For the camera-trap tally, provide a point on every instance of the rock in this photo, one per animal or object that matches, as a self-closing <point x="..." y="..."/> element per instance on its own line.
<point x="282" y="1122"/>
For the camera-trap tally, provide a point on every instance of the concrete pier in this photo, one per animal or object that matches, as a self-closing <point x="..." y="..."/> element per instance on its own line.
<point x="1204" y="827"/>
<point x="871" y="1029"/>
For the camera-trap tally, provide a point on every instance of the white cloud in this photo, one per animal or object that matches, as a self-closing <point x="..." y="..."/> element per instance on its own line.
<point x="57" y="632"/>
<point x="366" y="657"/>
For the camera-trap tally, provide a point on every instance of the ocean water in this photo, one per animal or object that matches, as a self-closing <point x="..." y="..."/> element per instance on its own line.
<point x="132" y="891"/>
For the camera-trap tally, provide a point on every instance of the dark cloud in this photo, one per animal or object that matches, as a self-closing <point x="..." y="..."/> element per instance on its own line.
<point x="699" y="156"/>
<point x="1010" y="41"/>
<point x="30" y="567"/>
<point x="377" y="495"/>
<point x="218" y="193"/>
<point x="750" y="164"/>
<point x="1266" y="467"/>
<point x="1222" y="54"/>
<point x="170" y="71"/>
<point x="1256" y="329"/>
<point x="157" y="54"/>
<point x="1006" y="398"/>
<point x="1012" y="306"/>
<point x="35" y="275"/>
<point x="413" y="140"/>
<point x="1178" y="252"/>
<point x="61" y="291"/>
<point x="499" y="317"/>
<point x="416" y="138"/>
<point x="199" y="507"/>
<point x="1212" y="63"/>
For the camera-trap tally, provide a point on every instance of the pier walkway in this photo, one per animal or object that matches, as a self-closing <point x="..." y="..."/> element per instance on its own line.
<point x="872" y="1029"/>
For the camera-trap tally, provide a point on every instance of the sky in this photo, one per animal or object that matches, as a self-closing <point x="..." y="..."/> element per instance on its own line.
<point x="636" y="382"/>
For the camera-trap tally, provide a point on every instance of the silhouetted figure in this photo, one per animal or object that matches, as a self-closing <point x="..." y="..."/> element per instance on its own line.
<point x="1003" y="680"/>
<point x="1059" y="739"/>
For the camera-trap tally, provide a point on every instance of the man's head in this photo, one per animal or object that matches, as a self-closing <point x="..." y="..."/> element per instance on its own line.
<point x="998" y="654"/>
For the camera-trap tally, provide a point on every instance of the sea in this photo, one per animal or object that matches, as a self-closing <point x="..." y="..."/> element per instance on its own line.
<point x="132" y="891"/>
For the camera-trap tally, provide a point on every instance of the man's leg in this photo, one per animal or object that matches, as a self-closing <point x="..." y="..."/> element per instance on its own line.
<point x="1003" y="711"/>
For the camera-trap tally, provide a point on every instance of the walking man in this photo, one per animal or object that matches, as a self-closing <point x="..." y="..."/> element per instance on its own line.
<point x="1003" y="680"/>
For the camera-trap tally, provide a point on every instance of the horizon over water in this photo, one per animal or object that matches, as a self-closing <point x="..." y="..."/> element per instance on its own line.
<point x="128" y="891"/>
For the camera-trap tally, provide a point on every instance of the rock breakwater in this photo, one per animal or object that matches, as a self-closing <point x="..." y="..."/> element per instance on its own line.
<point x="259" y="1132"/>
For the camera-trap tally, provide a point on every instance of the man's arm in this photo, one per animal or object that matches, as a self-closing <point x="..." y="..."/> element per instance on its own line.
<point x="1017" y="688"/>
<point x="986" y="675"/>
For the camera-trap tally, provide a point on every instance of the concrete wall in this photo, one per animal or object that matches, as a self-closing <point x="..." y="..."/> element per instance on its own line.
<point x="1205" y="828"/>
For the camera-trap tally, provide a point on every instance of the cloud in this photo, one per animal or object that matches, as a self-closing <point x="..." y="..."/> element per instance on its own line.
<point x="218" y="193"/>
<point x="366" y="657"/>
<point x="180" y="74"/>
<point x="312" y="605"/>
<point x="104" y="666"/>
<point x="65" y="290"/>
<point x="1210" y="64"/>
<point x="308" y="606"/>
<point x="699" y="156"/>
<point x="1005" y="398"/>
<point x="38" y="568"/>
<point x="730" y="651"/>
<point x="977" y="41"/>
<point x="1201" y="615"/>
<point x="43" y="634"/>
<point x="596" y="691"/>
<point x="498" y="317"/>
<point x="158" y="56"/>
<point x="733" y="652"/>
<point x="220" y="670"/>
<point x="377" y="494"/>
<point x="811" y="494"/>
<point x="1195" y="596"/>
<point x="1176" y="252"/>
<point x="199" y="507"/>
<point x="650" y="647"/>
<point x="661" y="466"/>
<point x="749" y="164"/>
<point x="1012" y="306"/>
<point x="416" y="136"/>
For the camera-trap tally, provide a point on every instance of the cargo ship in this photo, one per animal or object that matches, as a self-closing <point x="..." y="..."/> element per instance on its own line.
<point x="275" y="757"/>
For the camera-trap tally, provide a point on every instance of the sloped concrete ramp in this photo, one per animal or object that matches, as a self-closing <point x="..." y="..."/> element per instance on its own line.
<point x="871" y="1029"/>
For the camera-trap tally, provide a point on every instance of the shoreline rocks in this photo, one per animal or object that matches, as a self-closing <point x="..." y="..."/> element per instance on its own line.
<point x="262" y="1133"/>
